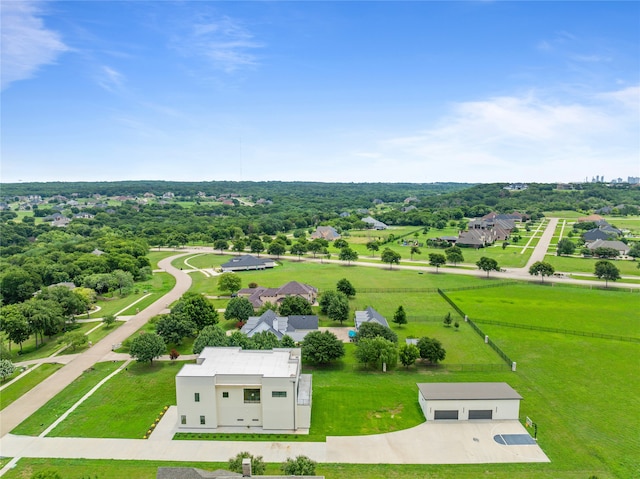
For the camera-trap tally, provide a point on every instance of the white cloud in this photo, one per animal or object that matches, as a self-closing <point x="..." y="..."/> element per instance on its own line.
<point x="26" y="43"/>
<point x="110" y="79"/>
<point x="527" y="137"/>
<point x="225" y="43"/>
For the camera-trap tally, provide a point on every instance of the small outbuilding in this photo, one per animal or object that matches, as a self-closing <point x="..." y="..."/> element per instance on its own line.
<point x="468" y="401"/>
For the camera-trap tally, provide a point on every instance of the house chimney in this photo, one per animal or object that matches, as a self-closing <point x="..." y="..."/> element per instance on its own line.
<point x="246" y="467"/>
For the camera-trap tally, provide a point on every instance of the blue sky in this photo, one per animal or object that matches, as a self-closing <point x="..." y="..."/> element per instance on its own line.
<point x="320" y="91"/>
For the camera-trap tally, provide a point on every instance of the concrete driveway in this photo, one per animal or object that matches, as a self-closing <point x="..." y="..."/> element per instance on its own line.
<point x="456" y="442"/>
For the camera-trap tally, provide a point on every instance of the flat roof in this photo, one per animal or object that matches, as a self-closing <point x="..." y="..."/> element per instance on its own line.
<point x="276" y="363"/>
<point x="448" y="391"/>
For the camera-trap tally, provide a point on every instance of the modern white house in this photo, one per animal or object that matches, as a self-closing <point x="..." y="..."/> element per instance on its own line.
<point x="231" y="387"/>
<point x="468" y="401"/>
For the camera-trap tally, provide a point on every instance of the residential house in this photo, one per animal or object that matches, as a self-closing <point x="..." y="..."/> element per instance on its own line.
<point x="595" y="234"/>
<point x="370" y="315"/>
<point x="475" y="238"/>
<point x="297" y="327"/>
<point x="619" y="246"/>
<point x="328" y="233"/>
<point x="60" y="223"/>
<point x="247" y="262"/>
<point x="260" y="295"/>
<point x="374" y="224"/>
<point x="232" y="387"/>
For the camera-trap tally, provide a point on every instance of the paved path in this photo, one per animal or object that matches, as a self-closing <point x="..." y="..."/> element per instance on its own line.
<point x="434" y="442"/>
<point x="542" y="247"/>
<point x="33" y="400"/>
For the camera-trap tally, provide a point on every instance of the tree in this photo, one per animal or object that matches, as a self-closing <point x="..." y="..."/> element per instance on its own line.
<point x="256" y="246"/>
<point x="146" y="347"/>
<point x="277" y="248"/>
<point x="414" y="250"/>
<point x="634" y="251"/>
<point x="239" y="308"/>
<point x="345" y="286"/>
<point x="390" y="256"/>
<point x="325" y="300"/>
<point x="17" y="285"/>
<point x="373" y="246"/>
<point x="348" y="255"/>
<point x="408" y="353"/>
<point x="431" y="349"/>
<point x="239" y="245"/>
<point x="44" y="317"/>
<point x="6" y="369"/>
<point x="229" y="282"/>
<point x="340" y="243"/>
<point x="196" y="308"/>
<point x="298" y="249"/>
<point x="221" y="244"/>
<point x="541" y="268"/>
<point x="14" y="324"/>
<point x="238" y="339"/>
<point x="172" y="328"/>
<point x="487" y="265"/>
<point x="108" y="320"/>
<point x="295" y="306"/>
<point x="70" y="302"/>
<point x="565" y="246"/>
<point x="317" y="246"/>
<point x="400" y="316"/>
<point x="454" y="255"/>
<point x="257" y="464"/>
<point x="372" y="329"/>
<point x="338" y="309"/>
<point x="607" y="270"/>
<point x="447" y="319"/>
<point x="300" y="466"/>
<point x="322" y="347"/>
<point x="287" y="342"/>
<point x="263" y="340"/>
<point x="211" y="336"/>
<point x="603" y="252"/>
<point x="74" y="340"/>
<point x="377" y="351"/>
<point x="437" y="260"/>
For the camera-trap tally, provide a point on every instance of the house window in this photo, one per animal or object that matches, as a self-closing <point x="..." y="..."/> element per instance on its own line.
<point x="183" y="419"/>
<point x="225" y="394"/>
<point x="251" y="395"/>
<point x="278" y="394"/>
<point x="202" y="421"/>
<point x="196" y="397"/>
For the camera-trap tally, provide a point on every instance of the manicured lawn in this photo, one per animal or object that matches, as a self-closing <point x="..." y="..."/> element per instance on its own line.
<point x="155" y="256"/>
<point x="47" y="414"/>
<point x="17" y="389"/>
<point x="588" y="265"/>
<point x="158" y="285"/>
<point x="131" y="400"/>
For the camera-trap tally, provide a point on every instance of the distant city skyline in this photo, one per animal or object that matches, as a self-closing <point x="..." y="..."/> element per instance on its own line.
<point x="421" y="92"/>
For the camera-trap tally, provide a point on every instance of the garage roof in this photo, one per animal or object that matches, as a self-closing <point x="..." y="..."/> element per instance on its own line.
<point x="448" y="391"/>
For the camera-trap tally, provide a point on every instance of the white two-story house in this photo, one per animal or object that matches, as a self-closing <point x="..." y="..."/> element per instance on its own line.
<point x="231" y="387"/>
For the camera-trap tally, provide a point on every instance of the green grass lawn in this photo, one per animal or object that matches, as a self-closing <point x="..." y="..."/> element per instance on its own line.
<point x="155" y="256"/>
<point x="132" y="400"/>
<point x="157" y="286"/>
<point x="47" y="414"/>
<point x="17" y="389"/>
<point x="588" y="265"/>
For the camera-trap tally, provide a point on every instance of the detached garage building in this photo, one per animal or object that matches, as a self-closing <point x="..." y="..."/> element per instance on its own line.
<point x="468" y="401"/>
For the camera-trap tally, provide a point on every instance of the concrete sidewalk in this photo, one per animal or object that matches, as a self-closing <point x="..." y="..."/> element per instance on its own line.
<point x="459" y="442"/>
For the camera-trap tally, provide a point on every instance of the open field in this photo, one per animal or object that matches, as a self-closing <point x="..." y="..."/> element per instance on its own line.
<point x="17" y="389"/>
<point x="155" y="256"/>
<point x="588" y="265"/>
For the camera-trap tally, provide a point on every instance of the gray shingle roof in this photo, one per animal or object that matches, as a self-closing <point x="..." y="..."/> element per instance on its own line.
<point x="445" y="391"/>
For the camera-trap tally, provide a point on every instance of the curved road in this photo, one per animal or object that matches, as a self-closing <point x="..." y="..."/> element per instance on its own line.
<point x="33" y="400"/>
